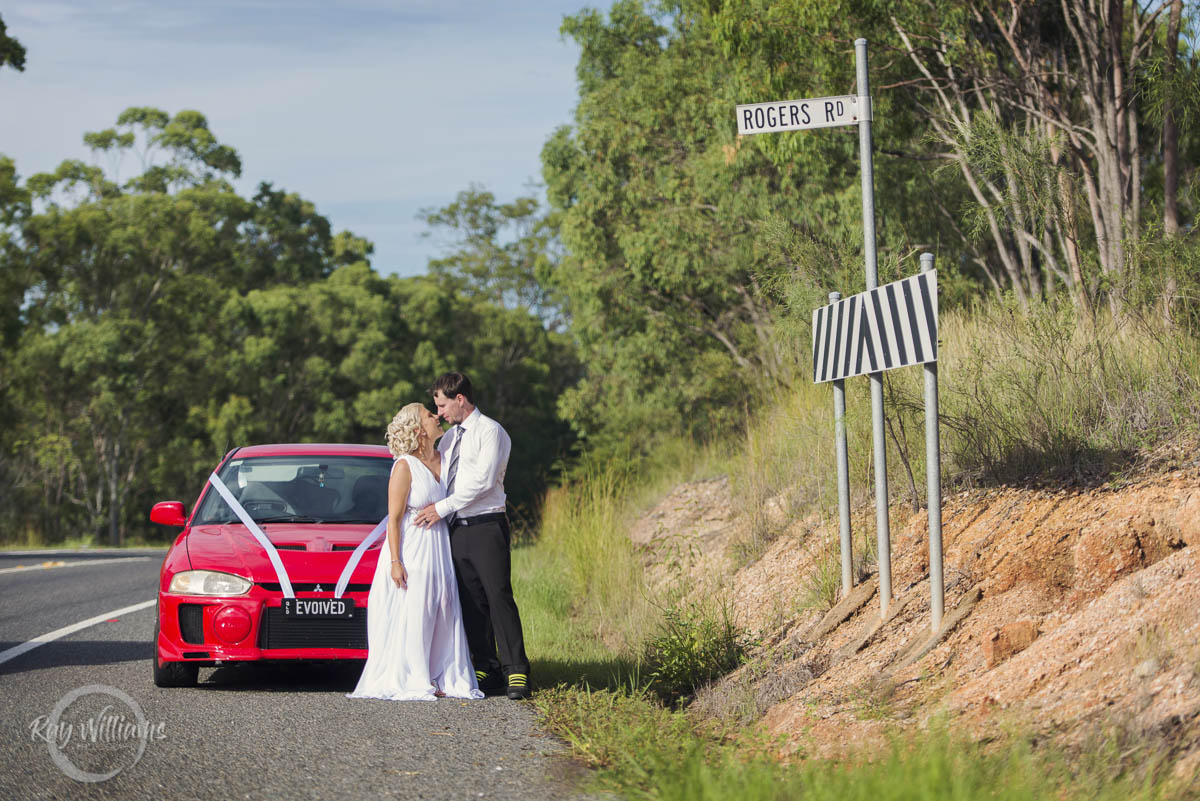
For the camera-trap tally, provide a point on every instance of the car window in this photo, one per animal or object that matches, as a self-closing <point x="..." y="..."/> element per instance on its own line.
<point x="329" y="489"/>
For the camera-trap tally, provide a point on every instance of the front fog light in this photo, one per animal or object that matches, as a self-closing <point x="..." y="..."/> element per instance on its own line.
<point x="231" y="624"/>
<point x="208" y="582"/>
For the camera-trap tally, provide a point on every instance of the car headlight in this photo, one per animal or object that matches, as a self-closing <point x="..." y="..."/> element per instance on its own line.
<point x="209" y="582"/>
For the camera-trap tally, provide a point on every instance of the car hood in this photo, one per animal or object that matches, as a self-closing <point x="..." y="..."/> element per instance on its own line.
<point x="309" y="552"/>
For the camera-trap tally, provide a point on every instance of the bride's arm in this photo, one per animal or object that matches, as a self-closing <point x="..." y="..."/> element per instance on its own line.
<point x="398" y="488"/>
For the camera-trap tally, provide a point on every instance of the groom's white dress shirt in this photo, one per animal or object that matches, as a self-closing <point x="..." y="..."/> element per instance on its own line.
<point x="482" y="461"/>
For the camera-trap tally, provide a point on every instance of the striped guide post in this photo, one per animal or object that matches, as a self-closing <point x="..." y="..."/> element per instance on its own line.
<point x="884" y="328"/>
<point x="891" y="326"/>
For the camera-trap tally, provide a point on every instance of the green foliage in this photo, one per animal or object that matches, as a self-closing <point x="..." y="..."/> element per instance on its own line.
<point x="152" y="323"/>
<point x="936" y="766"/>
<point x="12" y="52"/>
<point x="563" y="646"/>
<point x="501" y="252"/>
<point x="678" y="234"/>
<point x="1023" y="159"/>
<point x="642" y="750"/>
<point x="695" y="644"/>
<point x="583" y="527"/>
<point x="626" y="734"/>
<point x="1054" y="395"/>
<point x="657" y="213"/>
<point x="683" y="242"/>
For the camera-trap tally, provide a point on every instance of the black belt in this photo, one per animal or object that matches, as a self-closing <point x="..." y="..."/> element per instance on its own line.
<point x="494" y="517"/>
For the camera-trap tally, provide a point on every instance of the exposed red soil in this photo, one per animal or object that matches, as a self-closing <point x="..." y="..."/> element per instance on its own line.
<point x="1087" y="622"/>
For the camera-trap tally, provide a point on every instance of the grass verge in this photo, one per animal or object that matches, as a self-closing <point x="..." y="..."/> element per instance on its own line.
<point x="1043" y="397"/>
<point x="604" y="705"/>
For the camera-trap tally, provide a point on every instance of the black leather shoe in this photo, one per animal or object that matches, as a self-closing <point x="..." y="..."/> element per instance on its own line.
<point x="489" y="683"/>
<point x="518" y="686"/>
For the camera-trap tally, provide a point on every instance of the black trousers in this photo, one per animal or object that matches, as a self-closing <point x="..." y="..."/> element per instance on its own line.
<point x="483" y="567"/>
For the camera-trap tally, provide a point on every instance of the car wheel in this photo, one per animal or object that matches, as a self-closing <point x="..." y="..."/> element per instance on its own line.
<point x="172" y="674"/>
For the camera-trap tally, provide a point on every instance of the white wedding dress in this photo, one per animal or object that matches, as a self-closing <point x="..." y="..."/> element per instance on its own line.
<point x="415" y="637"/>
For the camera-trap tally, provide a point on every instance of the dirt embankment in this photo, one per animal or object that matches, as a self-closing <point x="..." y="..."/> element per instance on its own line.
<point x="1073" y="614"/>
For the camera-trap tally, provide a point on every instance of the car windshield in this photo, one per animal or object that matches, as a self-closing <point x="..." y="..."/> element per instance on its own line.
<point x="302" y="489"/>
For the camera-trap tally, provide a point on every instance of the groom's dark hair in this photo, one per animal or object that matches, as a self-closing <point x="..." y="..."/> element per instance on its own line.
<point x="452" y="385"/>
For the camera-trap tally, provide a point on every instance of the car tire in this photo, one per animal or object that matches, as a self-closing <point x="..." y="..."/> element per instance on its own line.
<point x="172" y="674"/>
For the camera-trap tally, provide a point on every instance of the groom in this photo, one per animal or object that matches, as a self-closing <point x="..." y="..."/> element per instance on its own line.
<point x="474" y="458"/>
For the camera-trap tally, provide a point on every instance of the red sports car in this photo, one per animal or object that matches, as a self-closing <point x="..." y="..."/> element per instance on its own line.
<point x="255" y="573"/>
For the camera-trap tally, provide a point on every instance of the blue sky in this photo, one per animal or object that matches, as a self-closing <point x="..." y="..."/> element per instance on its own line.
<point x="372" y="110"/>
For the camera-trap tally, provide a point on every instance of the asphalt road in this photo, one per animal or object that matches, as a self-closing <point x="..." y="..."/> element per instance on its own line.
<point x="256" y="732"/>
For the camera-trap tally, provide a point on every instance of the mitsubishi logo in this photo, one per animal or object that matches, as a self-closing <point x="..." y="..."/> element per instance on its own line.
<point x="317" y="588"/>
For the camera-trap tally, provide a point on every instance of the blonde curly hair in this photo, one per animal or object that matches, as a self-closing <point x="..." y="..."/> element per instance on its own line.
<point x="404" y="432"/>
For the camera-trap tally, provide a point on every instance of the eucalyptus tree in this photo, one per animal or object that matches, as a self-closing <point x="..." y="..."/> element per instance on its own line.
<point x="506" y="324"/>
<point x="1046" y="110"/>
<point x="504" y="253"/>
<point x="662" y="270"/>
<point x="679" y="236"/>
<point x="12" y="52"/>
<point x="115" y="315"/>
<point x="1044" y="117"/>
<point x="119" y="276"/>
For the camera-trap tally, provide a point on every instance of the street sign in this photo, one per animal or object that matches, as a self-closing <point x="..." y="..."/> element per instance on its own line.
<point x="797" y="115"/>
<point x="854" y="336"/>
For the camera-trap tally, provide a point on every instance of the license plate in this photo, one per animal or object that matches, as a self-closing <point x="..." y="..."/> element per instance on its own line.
<point x="318" y="607"/>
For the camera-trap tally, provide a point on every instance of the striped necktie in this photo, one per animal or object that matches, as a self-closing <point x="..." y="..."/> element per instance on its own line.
<point x="452" y="471"/>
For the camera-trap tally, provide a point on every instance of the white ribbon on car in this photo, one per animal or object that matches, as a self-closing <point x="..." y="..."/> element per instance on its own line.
<point x="284" y="583"/>
<point x="280" y="571"/>
<point x="369" y="540"/>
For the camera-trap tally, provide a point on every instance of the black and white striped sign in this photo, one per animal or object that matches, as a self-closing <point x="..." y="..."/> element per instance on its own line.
<point x="891" y="326"/>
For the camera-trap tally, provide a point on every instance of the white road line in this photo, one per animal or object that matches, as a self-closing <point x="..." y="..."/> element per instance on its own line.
<point x="57" y="634"/>
<point x="80" y="563"/>
<point x="81" y="551"/>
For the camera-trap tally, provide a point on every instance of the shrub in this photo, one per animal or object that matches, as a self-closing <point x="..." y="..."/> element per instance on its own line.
<point x="694" y="645"/>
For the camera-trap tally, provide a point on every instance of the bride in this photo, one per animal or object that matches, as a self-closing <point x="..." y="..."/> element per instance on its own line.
<point x="417" y="647"/>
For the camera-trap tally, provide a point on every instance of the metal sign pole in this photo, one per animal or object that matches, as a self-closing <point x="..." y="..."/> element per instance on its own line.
<point x="933" y="481"/>
<point x="824" y="112"/>
<point x="843" y="475"/>
<point x="865" y="148"/>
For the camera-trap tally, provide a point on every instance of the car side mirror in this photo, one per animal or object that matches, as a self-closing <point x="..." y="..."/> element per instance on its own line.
<point x="169" y="513"/>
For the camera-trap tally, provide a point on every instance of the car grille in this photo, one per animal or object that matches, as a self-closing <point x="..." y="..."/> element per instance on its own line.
<point x="191" y="623"/>
<point x="278" y="631"/>
<point x="328" y="586"/>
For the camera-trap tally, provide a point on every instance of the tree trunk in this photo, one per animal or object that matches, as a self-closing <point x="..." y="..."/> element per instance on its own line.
<point x="112" y="470"/>
<point x="1170" y="133"/>
<point x="1170" y="149"/>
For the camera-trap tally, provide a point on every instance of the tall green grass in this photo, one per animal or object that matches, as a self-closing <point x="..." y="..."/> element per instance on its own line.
<point x="32" y="539"/>
<point x="1025" y="397"/>
<point x="641" y="750"/>
<point x="1043" y="396"/>
<point x="1055" y="394"/>
<point x="585" y="533"/>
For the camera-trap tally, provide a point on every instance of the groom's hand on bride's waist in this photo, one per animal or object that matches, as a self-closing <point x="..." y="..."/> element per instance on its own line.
<point x="427" y="517"/>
